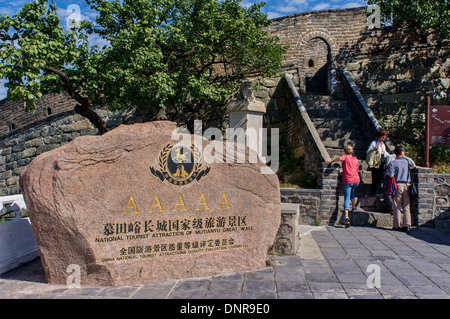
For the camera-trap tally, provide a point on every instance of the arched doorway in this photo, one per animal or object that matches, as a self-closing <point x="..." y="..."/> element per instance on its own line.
<point x="317" y="55"/>
<point x="317" y="50"/>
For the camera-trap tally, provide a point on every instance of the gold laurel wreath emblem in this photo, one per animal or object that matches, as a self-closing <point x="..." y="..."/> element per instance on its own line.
<point x="164" y="174"/>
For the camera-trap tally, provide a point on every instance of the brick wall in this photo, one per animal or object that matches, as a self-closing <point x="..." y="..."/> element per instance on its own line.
<point x="432" y="205"/>
<point x="337" y="27"/>
<point x="317" y="206"/>
<point x="13" y="117"/>
<point x="309" y="201"/>
<point x="442" y="201"/>
<point x="422" y="205"/>
<point x="17" y="149"/>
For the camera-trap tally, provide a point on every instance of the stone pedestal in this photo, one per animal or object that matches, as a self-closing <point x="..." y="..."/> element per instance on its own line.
<point x="246" y="117"/>
<point x="287" y="240"/>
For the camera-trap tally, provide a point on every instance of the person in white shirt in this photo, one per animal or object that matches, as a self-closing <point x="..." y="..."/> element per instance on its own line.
<point x="378" y="147"/>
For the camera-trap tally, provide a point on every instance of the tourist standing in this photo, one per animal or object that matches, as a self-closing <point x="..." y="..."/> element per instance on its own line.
<point x="400" y="170"/>
<point x="350" y="179"/>
<point x="376" y="158"/>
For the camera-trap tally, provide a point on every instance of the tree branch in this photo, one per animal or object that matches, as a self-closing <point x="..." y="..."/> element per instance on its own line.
<point x="92" y="116"/>
<point x="68" y="84"/>
<point x="84" y="107"/>
<point x="183" y="56"/>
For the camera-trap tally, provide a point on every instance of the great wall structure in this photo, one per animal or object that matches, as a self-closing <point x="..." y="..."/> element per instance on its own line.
<point x="338" y="77"/>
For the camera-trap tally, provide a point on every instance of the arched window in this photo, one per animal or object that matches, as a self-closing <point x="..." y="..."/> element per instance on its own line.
<point x="310" y="63"/>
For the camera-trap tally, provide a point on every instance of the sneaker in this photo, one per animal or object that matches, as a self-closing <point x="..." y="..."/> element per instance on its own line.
<point x="347" y="222"/>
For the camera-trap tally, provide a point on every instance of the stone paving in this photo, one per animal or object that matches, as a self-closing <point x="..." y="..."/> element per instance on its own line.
<point x="331" y="262"/>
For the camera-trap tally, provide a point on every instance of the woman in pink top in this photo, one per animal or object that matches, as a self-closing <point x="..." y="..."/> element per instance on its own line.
<point x="350" y="179"/>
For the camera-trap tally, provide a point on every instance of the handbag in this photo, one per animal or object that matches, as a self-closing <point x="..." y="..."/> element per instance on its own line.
<point x="373" y="158"/>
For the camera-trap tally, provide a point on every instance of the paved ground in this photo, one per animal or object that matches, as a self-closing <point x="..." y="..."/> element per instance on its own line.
<point x="331" y="262"/>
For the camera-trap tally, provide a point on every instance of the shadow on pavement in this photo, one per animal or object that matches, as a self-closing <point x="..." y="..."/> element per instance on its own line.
<point x="31" y="271"/>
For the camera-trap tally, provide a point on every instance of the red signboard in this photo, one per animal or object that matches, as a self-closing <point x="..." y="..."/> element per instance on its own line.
<point x="437" y="126"/>
<point x="440" y="124"/>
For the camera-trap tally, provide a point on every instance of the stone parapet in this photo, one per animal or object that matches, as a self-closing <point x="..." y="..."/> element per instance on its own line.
<point x="306" y="130"/>
<point x="20" y="148"/>
<point x="422" y="204"/>
<point x="365" y="115"/>
<point x="308" y="200"/>
<point x="442" y="201"/>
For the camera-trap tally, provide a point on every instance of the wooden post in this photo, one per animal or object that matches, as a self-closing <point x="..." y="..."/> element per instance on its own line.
<point x="427" y="130"/>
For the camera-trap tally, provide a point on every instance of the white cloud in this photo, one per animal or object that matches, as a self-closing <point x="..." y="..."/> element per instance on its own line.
<point x="75" y="12"/>
<point x="321" y="6"/>
<point x="354" y="4"/>
<point x="296" y="2"/>
<point x="285" y="9"/>
<point x="95" y="39"/>
<point x="11" y="8"/>
<point x="273" y="15"/>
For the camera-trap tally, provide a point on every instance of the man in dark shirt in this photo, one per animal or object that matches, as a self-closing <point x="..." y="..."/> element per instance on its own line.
<point x="399" y="168"/>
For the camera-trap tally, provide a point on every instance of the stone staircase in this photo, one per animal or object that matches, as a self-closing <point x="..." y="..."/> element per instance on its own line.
<point x="336" y="124"/>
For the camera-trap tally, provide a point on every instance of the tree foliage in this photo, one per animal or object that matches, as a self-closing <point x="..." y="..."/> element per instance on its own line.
<point x="419" y="15"/>
<point x="182" y="54"/>
<point x="37" y="57"/>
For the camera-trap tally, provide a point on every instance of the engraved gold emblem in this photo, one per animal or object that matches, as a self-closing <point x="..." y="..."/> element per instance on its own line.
<point x="180" y="165"/>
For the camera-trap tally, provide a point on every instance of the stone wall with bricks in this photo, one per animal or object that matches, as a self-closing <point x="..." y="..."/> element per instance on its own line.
<point x="432" y="205"/>
<point x="13" y="118"/>
<point x="18" y="148"/>
<point x="309" y="202"/>
<point x="442" y="201"/>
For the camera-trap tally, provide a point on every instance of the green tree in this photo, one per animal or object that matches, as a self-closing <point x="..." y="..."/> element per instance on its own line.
<point x="419" y="15"/>
<point x="183" y="54"/>
<point x="37" y="57"/>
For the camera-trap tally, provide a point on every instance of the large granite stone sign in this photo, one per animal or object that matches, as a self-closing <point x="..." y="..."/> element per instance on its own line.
<point x="135" y="206"/>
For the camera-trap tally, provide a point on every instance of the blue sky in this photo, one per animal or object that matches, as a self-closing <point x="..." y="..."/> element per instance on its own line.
<point x="281" y="8"/>
<point x="273" y="8"/>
